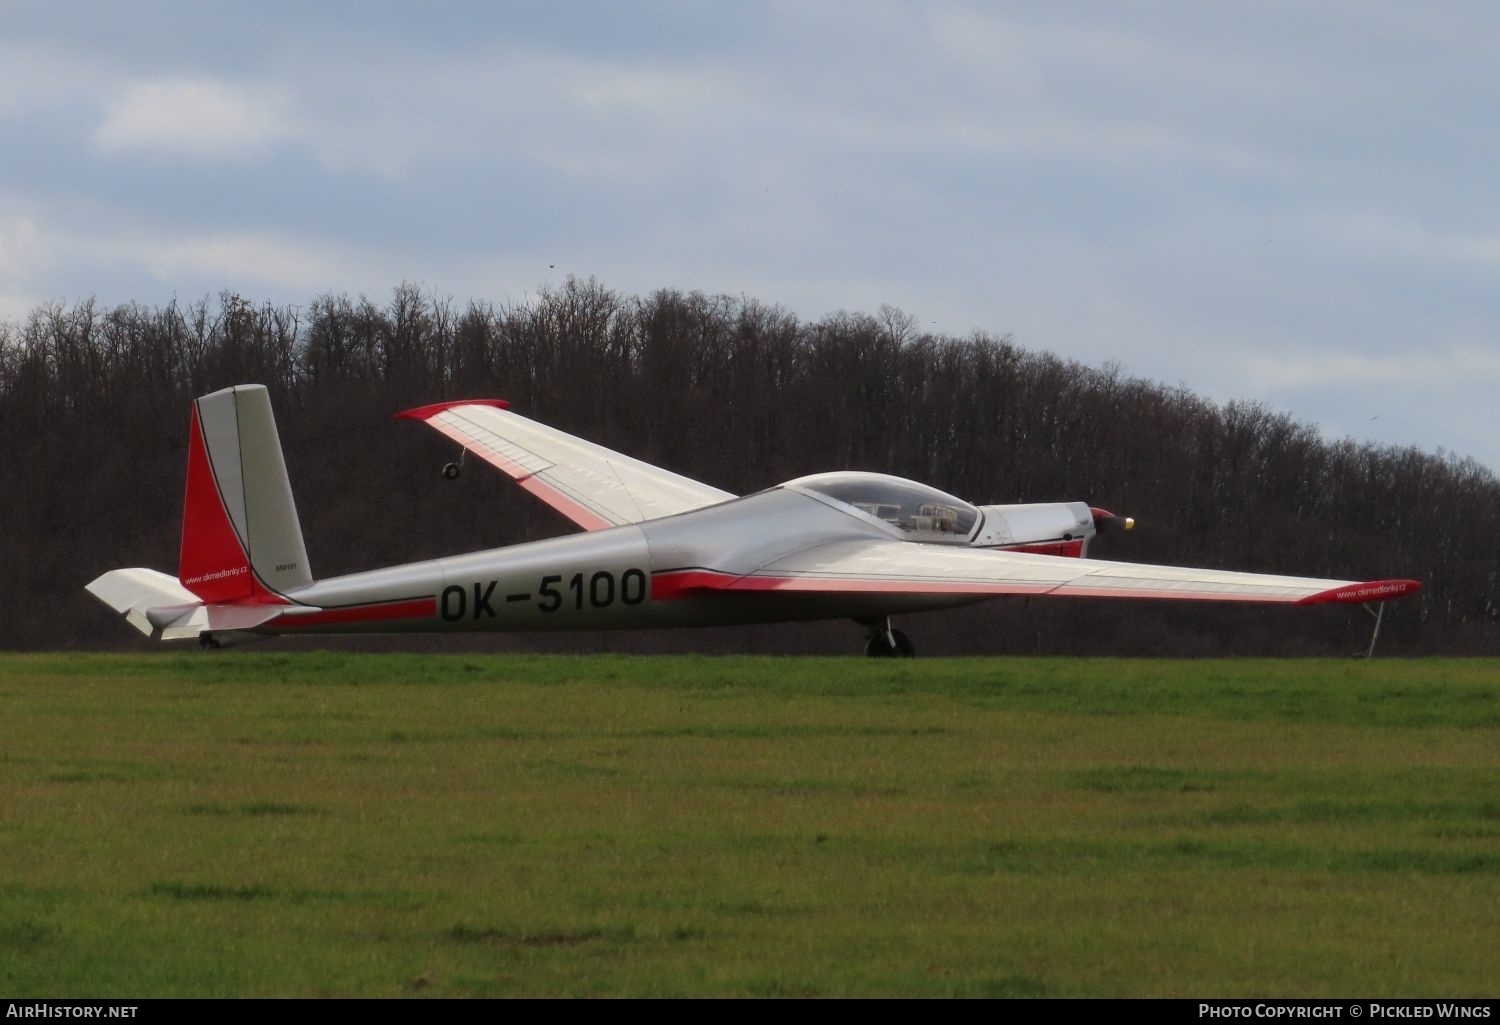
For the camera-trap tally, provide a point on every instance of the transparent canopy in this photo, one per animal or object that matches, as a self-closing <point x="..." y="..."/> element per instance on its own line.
<point x="923" y="513"/>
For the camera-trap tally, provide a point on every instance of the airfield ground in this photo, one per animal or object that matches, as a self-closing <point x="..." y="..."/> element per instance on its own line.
<point x="246" y="823"/>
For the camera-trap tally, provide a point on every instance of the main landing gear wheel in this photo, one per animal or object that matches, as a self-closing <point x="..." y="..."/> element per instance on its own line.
<point x="880" y="644"/>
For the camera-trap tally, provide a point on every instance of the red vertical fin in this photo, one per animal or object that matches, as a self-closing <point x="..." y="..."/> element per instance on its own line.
<point x="213" y="564"/>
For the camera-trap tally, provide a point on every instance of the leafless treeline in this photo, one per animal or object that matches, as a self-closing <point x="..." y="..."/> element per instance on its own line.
<point x="93" y="414"/>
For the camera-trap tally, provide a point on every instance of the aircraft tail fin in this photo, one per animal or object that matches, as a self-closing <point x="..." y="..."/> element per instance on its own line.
<point x="241" y="539"/>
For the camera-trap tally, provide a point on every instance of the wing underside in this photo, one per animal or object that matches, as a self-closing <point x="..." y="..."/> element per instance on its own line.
<point x="593" y="486"/>
<point x="898" y="567"/>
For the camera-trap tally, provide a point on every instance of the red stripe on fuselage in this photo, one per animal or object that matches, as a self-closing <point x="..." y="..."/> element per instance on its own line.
<point x="1066" y="549"/>
<point x="680" y="583"/>
<point x="416" y="608"/>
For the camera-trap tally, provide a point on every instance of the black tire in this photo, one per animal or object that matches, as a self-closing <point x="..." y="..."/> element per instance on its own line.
<point x="878" y="647"/>
<point x="451" y="471"/>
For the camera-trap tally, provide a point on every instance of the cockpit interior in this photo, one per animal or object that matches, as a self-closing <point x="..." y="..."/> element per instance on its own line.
<point x="920" y="512"/>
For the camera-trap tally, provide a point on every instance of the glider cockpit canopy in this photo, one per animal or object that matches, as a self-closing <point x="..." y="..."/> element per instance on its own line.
<point x="920" y="512"/>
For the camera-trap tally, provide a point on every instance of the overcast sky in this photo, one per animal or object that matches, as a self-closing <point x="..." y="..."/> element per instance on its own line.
<point x="1288" y="202"/>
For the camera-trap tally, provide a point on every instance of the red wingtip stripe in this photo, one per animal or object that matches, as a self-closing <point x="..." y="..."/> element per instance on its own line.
<point x="1373" y="590"/>
<point x="428" y="412"/>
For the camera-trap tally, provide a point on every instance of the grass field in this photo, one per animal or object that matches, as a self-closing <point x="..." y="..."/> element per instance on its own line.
<point x="326" y="824"/>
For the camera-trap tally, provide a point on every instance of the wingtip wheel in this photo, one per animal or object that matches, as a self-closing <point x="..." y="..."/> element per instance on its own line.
<point x="1379" y="613"/>
<point x="451" y="471"/>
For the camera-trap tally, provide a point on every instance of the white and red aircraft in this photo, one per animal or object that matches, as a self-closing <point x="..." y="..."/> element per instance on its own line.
<point x="657" y="549"/>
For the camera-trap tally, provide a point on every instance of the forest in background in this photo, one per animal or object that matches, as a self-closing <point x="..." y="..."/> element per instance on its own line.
<point x="739" y="394"/>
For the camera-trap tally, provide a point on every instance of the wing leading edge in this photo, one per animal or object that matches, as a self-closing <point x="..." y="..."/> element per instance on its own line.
<point x="591" y="485"/>
<point x="899" y="567"/>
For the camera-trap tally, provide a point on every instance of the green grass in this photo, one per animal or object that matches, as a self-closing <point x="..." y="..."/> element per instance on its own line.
<point x="325" y="824"/>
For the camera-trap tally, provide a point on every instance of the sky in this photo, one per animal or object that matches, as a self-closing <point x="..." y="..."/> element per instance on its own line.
<point x="1293" y="203"/>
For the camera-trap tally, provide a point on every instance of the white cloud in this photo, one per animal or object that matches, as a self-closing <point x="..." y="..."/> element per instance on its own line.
<point x="36" y="77"/>
<point x="14" y="306"/>
<point x="1381" y="233"/>
<point x="36" y="238"/>
<point x="1264" y="200"/>
<point x="1430" y="366"/>
<point x="24" y="256"/>
<point x="196" y="117"/>
<point x="588" y="117"/>
<point x="22" y="248"/>
<point x="253" y="257"/>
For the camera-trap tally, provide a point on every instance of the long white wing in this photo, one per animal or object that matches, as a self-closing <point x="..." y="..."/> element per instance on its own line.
<point x="907" y="568"/>
<point x="593" y="486"/>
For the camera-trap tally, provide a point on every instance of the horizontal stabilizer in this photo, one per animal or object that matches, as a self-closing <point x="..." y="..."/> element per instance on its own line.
<point x="158" y="606"/>
<point x="137" y="593"/>
<point x="125" y="589"/>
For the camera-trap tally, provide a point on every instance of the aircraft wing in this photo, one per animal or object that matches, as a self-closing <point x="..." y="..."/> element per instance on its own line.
<point x="593" y="486"/>
<point x="906" y="567"/>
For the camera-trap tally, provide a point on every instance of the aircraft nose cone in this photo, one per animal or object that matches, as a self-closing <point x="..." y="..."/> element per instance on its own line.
<point x="1106" y="520"/>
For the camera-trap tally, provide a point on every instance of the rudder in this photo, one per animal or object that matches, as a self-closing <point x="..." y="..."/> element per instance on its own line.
<point x="241" y="538"/>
